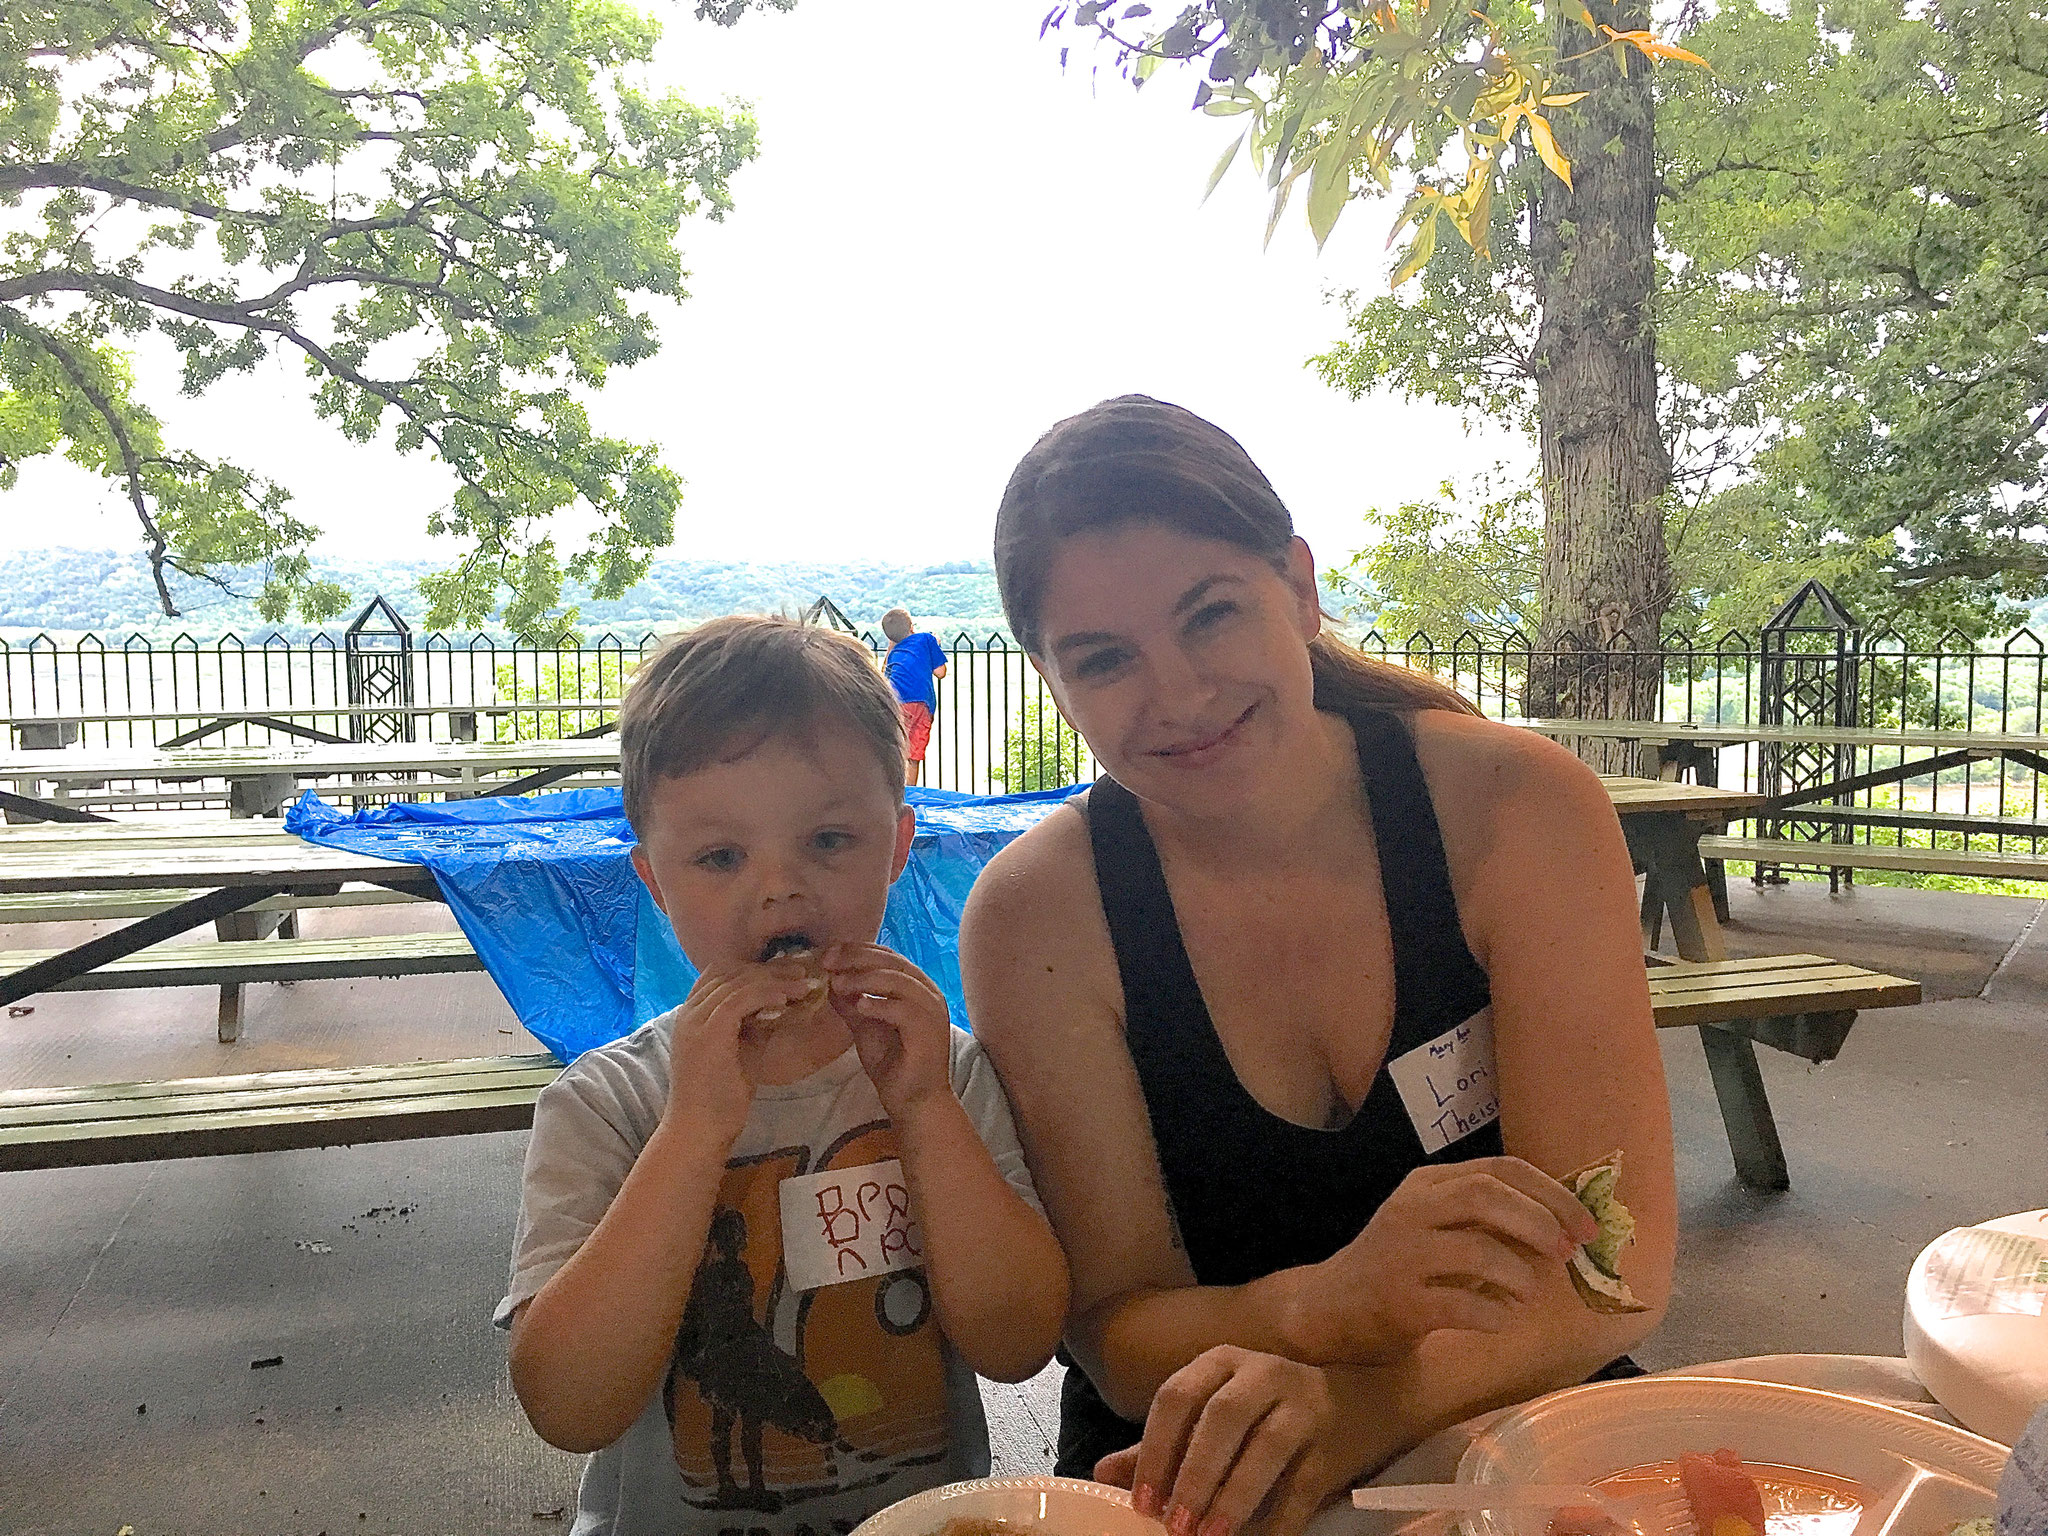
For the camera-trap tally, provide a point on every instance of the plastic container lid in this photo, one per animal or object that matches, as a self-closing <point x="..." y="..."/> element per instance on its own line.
<point x="1977" y="1322"/>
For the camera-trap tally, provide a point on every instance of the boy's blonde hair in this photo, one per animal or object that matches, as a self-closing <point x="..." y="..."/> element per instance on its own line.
<point x="718" y="691"/>
<point x="896" y="624"/>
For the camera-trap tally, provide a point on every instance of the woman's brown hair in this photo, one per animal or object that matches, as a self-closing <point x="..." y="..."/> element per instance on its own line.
<point x="1139" y="460"/>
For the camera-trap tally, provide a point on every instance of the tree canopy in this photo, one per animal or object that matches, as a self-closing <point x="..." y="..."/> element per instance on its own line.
<point x="1361" y="96"/>
<point x="1852" y="313"/>
<point x="452" y="212"/>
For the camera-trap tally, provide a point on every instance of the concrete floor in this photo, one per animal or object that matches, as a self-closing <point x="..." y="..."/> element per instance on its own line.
<point x="141" y="1303"/>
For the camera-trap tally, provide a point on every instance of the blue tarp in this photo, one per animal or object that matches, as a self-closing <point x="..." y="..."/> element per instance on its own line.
<point x="544" y="887"/>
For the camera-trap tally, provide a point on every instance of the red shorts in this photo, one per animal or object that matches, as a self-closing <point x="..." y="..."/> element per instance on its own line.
<point x="917" y="731"/>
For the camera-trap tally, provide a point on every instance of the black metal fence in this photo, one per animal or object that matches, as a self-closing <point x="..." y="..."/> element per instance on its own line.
<point x="997" y="728"/>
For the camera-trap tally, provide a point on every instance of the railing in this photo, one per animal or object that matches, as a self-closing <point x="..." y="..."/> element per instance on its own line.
<point x="1955" y="686"/>
<point x="997" y="728"/>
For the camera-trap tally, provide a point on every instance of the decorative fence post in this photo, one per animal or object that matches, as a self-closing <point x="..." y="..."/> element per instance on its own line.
<point x="379" y="672"/>
<point x="1811" y="664"/>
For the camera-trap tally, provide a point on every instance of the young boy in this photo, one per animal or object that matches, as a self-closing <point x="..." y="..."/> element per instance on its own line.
<point x="766" y="1240"/>
<point x="914" y="664"/>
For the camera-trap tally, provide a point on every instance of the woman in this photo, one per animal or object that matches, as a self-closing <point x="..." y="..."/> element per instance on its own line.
<point x="1241" y="995"/>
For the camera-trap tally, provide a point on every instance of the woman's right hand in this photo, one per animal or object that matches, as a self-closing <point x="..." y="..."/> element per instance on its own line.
<point x="1235" y="1435"/>
<point x="1458" y="1245"/>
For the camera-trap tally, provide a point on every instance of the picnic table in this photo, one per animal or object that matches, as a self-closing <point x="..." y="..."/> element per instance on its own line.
<point x="209" y="873"/>
<point x="1685" y="748"/>
<point x="261" y="779"/>
<point x="59" y="728"/>
<point x="1920" y="753"/>
<point x="215" y="870"/>
<point x="1664" y="820"/>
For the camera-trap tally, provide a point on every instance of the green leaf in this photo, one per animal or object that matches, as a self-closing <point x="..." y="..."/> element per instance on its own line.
<point x="1329" y="188"/>
<point x="1222" y="166"/>
<point x="472" y="239"/>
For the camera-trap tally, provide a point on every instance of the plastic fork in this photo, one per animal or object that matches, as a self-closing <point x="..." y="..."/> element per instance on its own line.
<point x="1466" y="1497"/>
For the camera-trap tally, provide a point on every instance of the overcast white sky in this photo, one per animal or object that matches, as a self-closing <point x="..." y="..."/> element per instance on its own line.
<point x="945" y="245"/>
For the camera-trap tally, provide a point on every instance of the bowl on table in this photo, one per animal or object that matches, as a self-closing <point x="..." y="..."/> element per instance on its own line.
<point x="1925" y="1474"/>
<point x="1025" y="1506"/>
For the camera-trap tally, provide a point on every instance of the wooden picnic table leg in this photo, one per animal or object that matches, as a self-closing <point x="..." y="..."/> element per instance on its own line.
<point x="261" y="795"/>
<point x="126" y="940"/>
<point x="1666" y="846"/>
<point x="1745" y="1110"/>
<point x="249" y="923"/>
<point x="22" y="808"/>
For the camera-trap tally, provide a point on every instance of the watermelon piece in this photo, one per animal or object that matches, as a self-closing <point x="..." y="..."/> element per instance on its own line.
<point x="1722" y="1495"/>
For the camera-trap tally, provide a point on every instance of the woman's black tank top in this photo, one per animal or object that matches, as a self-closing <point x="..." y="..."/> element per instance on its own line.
<point x="1254" y="1193"/>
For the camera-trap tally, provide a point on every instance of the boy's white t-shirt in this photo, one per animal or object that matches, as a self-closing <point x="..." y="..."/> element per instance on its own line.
<point x="783" y="1412"/>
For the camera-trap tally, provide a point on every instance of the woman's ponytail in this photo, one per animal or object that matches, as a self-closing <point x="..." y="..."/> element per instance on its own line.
<point x="1348" y="680"/>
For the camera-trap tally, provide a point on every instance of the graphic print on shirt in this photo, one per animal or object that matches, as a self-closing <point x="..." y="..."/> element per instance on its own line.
<point x="776" y="1395"/>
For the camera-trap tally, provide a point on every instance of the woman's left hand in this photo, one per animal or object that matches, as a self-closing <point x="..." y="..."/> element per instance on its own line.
<point x="1232" y="1435"/>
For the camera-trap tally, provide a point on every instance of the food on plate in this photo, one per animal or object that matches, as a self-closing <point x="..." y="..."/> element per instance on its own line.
<point x="1726" y="1496"/>
<point x="795" y="947"/>
<point x="1983" y="1525"/>
<point x="1595" y="1269"/>
<point x="1723" y="1496"/>
<point x="973" y="1525"/>
<point x="1586" y="1522"/>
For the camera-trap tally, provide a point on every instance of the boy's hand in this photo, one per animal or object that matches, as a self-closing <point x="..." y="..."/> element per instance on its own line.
<point x="708" y="1087"/>
<point x="899" y="1022"/>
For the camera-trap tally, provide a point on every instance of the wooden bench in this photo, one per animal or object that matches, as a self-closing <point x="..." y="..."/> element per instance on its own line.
<point x="231" y="963"/>
<point x="99" y="906"/>
<point x="2012" y="865"/>
<point x="1801" y="1004"/>
<point x="268" y="1111"/>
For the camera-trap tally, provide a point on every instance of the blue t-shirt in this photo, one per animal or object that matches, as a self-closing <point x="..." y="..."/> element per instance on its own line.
<point x="910" y="664"/>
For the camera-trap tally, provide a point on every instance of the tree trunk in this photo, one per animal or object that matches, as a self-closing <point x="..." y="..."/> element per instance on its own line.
<point x="1606" y="581"/>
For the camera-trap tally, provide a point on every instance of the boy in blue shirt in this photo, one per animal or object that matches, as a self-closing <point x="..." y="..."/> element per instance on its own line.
<point x="914" y="665"/>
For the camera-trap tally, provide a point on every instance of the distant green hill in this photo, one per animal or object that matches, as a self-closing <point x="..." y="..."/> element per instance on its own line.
<point x="109" y="594"/>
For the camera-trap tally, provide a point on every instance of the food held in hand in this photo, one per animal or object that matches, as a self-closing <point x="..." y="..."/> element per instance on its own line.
<point x="1595" y="1269"/>
<point x="1723" y="1496"/>
<point x="797" y="948"/>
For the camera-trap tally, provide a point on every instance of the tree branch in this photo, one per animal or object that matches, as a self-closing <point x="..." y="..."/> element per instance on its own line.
<point x="131" y="462"/>
<point x="1917" y="579"/>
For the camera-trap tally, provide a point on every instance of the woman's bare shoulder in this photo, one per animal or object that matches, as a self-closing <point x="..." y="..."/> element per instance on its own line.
<point x="1024" y="883"/>
<point x="1033" y="926"/>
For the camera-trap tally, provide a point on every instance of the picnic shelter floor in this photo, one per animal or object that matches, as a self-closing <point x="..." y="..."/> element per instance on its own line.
<point x="300" y="1341"/>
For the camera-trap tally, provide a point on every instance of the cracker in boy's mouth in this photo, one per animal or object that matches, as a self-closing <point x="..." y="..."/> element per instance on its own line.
<point x="796" y="946"/>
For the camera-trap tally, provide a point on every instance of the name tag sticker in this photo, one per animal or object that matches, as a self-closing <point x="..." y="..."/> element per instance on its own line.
<point x="1448" y="1086"/>
<point x="848" y="1223"/>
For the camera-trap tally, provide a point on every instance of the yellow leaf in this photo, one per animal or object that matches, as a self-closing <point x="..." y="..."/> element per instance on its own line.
<point x="1419" y="208"/>
<point x="1565" y="101"/>
<point x="1652" y="47"/>
<point x="1419" y="251"/>
<point x="1476" y="233"/>
<point x="1546" y="146"/>
<point x="1662" y="50"/>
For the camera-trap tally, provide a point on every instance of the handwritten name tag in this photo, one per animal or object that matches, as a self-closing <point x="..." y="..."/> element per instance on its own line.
<point x="1448" y="1086"/>
<point x="847" y="1224"/>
